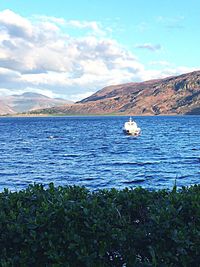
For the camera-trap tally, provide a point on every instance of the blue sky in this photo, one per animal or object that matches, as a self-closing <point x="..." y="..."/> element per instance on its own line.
<point x="71" y="49"/>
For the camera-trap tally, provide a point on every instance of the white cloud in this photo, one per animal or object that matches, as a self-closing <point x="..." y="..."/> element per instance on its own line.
<point x="9" y="78"/>
<point x="54" y="20"/>
<point x="4" y="92"/>
<point x="39" y="54"/>
<point x="93" y="25"/>
<point x="162" y="63"/>
<point x="167" y="72"/>
<point x="15" y="25"/>
<point x="149" y="46"/>
<point x="78" y="97"/>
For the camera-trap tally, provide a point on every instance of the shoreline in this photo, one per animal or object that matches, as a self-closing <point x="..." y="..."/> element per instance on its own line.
<point x="93" y="115"/>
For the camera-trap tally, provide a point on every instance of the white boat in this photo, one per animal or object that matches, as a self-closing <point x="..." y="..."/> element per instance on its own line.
<point x="131" y="128"/>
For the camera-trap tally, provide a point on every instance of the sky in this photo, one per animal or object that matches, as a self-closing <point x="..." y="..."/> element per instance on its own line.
<point x="71" y="49"/>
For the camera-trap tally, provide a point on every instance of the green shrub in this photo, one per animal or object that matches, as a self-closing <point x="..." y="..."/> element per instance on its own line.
<point x="71" y="226"/>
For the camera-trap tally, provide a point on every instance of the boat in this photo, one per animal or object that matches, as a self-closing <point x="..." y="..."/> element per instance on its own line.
<point x="131" y="128"/>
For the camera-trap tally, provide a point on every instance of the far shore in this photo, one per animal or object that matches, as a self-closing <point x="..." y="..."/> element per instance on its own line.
<point x="89" y="115"/>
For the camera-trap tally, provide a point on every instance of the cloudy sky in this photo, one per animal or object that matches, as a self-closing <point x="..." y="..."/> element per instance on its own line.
<point x="71" y="49"/>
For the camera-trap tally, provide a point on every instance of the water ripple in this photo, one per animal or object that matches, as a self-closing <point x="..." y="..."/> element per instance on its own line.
<point x="93" y="152"/>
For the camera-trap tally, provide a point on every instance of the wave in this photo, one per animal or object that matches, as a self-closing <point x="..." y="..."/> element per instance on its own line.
<point x="137" y="181"/>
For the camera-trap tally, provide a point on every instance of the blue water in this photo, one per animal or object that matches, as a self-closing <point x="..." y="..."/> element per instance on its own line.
<point x="93" y="152"/>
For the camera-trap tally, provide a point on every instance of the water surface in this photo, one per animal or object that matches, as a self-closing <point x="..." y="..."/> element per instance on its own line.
<point x="94" y="152"/>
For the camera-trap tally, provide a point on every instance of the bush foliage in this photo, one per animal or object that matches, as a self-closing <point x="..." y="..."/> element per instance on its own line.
<point x="71" y="226"/>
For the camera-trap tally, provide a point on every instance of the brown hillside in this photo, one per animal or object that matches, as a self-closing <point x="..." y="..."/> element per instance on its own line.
<point x="172" y="95"/>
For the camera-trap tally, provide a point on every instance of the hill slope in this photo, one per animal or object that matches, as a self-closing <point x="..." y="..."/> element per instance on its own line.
<point x="27" y="102"/>
<point x="172" y="95"/>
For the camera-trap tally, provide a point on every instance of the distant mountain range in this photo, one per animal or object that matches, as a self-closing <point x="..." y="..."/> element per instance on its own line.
<point x="27" y="102"/>
<point x="172" y="95"/>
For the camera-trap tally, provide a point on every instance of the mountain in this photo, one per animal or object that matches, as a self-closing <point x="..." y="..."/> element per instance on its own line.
<point x="172" y="95"/>
<point x="27" y="102"/>
<point x="4" y="109"/>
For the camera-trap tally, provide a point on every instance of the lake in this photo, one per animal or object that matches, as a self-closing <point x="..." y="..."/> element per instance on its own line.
<point x="93" y="152"/>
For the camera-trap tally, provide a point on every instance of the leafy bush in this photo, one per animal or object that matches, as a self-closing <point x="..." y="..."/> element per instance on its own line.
<point x="71" y="226"/>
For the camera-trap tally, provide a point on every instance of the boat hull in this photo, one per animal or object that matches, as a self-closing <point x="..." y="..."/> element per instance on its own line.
<point x="133" y="133"/>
